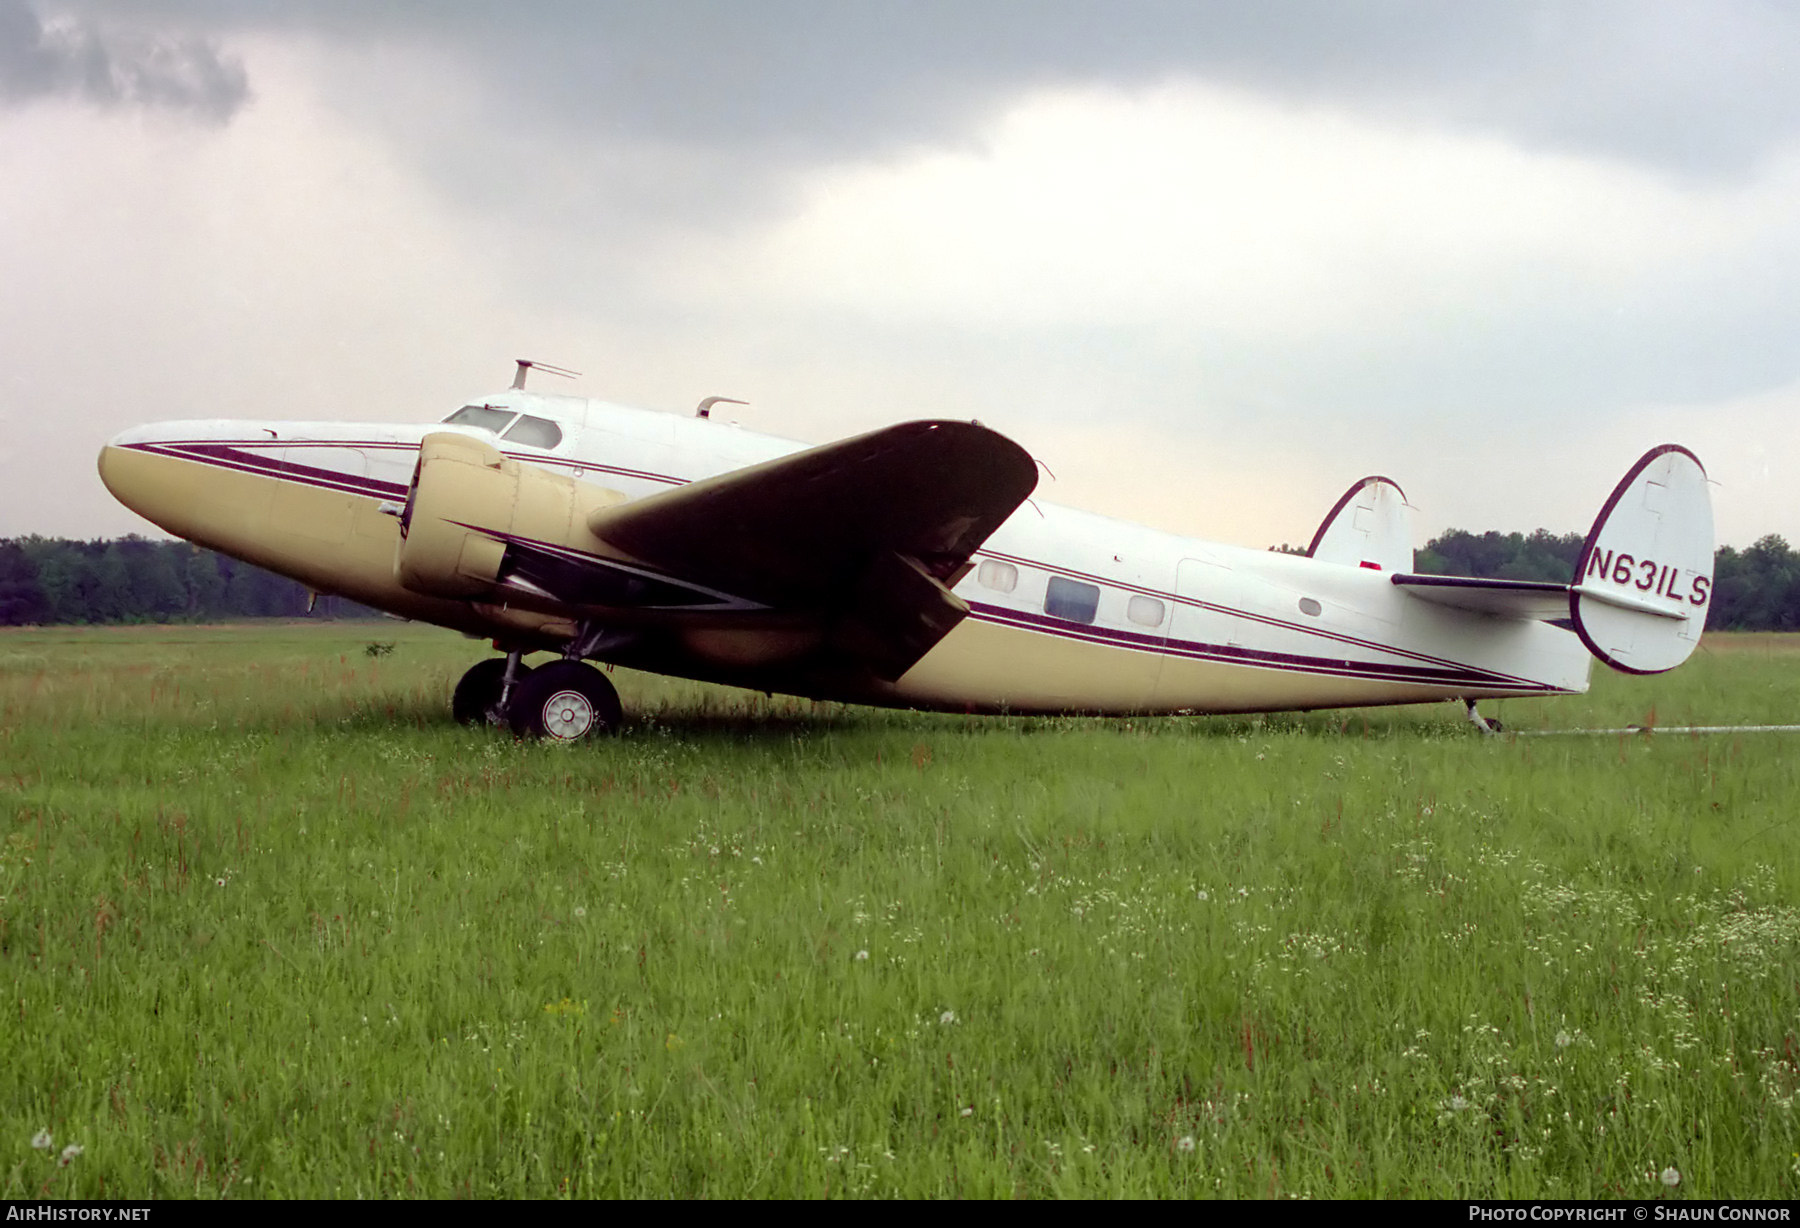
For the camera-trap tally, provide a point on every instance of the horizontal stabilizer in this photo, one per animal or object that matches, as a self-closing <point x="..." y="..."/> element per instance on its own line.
<point x="1643" y="580"/>
<point x="1370" y="526"/>
<point x="1527" y="599"/>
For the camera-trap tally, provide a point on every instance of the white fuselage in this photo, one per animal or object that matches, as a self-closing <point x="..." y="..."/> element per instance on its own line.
<point x="1070" y="611"/>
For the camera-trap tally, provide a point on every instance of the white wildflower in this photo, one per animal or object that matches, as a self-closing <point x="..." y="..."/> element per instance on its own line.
<point x="862" y="955"/>
<point x="1185" y="1143"/>
<point x="74" y="1149"/>
<point x="1200" y="895"/>
<point x="41" y="1140"/>
<point x="969" y="1111"/>
<point x="946" y="1019"/>
<point x="580" y="912"/>
<point x="1671" y="1177"/>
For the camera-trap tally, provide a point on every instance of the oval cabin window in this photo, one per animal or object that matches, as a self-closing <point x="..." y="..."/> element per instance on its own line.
<point x="1001" y="577"/>
<point x="1145" y="611"/>
<point x="1310" y="607"/>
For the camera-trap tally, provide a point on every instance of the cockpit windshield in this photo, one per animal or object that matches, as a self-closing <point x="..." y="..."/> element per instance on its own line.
<point x="485" y="417"/>
<point x="535" y="432"/>
<point x="529" y="430"/>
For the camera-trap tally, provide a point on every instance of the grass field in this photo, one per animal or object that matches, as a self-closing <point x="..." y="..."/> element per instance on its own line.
<point x="273" y="926"/>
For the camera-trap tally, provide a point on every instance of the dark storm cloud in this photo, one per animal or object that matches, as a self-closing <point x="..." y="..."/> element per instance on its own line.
<point x="1696" y="86"/>
<point x="77" y="59"/>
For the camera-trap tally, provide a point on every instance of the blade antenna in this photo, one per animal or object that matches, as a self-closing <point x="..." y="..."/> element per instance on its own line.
<point x="704" y="409"/>
<point x="527" y="366"/>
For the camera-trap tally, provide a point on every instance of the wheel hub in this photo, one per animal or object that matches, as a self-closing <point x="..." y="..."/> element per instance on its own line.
<point x="568" y="715"/>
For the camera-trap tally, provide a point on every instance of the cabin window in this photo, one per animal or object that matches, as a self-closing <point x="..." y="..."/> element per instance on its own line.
<point x="1072" y="600"/>
<point x="486" y="417"/>
<point x="1001" y="577"/>
<point x="535" y="432"/>
<point x="1310" y="607"/>
<point x="1145" y="611"/>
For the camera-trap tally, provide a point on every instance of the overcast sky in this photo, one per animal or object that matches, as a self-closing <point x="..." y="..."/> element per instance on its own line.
<point x="1210" y="262"/>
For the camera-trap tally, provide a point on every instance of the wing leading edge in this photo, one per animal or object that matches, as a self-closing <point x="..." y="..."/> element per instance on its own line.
<point x="867" y="534"/>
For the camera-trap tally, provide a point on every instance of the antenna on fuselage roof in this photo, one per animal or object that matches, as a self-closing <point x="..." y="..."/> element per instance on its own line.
<point x="527" y="366"/>
<point x="704" y="410"/>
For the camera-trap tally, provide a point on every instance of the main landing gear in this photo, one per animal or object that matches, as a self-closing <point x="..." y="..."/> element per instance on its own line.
<point x="1486" y="724"/>
<point x="565" y="700"/>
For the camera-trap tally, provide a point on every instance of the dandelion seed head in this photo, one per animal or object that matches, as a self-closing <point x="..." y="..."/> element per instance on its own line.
<point x="580" y="912"/>
<point x="968" y="1111"/>
<point x="1671" y="1177"/>
<point x="946" y="1019"/>
<point x="1201" y="895"/>
<point x="41" y="1140"/>
<point x="74" y="1149"/>
<point x="1185" y="1143"/>
<point x="862" y="955"/>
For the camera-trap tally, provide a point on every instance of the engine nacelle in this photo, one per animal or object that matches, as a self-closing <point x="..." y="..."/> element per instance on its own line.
<point x="467" y="500"/>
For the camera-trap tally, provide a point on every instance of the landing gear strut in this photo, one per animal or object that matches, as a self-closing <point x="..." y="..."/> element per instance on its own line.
<point x="479" y="695"/>
<point x="1485" y="724"/>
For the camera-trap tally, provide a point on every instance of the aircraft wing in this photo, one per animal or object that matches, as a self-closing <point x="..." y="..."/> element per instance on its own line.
<point x="798" y="530"/>
<point x="868" y="532"/>
<point x="1526" y="599"/>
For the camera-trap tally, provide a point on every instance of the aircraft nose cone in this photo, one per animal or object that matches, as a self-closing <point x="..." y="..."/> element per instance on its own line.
<point x="114" y="460"/>
<point x="136" y="474"/>
<point x="110" y="462"/>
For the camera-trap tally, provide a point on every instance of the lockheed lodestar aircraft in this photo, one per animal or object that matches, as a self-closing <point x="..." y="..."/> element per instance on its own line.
<point x="904" y="567"/>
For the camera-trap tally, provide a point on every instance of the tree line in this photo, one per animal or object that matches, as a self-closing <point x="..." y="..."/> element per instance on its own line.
<point x="131" y="580"/>
<point x="51" y="580"/>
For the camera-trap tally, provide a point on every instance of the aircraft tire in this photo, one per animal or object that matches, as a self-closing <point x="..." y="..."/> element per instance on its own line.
<point x="565" y="701"/>
<point x="479" y="691"/>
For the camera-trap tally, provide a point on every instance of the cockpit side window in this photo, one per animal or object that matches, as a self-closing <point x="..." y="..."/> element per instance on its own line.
<point x="535" y="432"/>
<point x="486" y="417"/>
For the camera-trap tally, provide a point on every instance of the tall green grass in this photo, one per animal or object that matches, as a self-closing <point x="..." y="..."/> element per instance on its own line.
<point x="273" y="926"/>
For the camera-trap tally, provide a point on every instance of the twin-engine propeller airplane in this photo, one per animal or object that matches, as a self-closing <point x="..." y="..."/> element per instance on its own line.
<point x="901" y="567"/>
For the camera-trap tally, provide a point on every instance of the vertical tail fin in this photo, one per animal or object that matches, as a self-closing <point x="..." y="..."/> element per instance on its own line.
<point x="1371" y="526"/>
<point x="1643" y="583"/>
